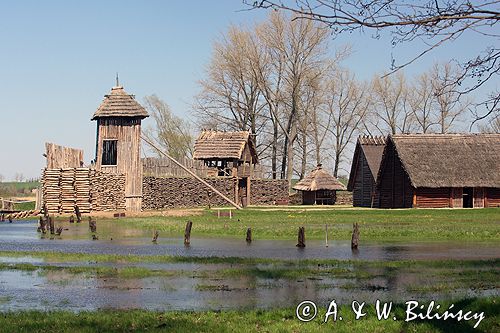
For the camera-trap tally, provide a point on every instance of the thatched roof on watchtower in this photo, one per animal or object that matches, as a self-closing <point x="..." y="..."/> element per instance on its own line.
<point x="448" y="160"/>
<point x="319" y="179"/>
<point x="120" y="104"/>
<point x="224" y="145"/>
<point x="372" y="147"/>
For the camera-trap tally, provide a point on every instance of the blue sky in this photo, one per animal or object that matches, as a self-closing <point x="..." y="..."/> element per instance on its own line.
<point x="58" y="59"/>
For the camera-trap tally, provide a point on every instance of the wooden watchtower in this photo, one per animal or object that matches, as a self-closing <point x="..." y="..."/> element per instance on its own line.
<point x="118" y="141"/>
<point x="229" y="154"/>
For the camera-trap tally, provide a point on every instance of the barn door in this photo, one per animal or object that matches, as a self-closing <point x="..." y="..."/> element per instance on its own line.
<point x="479" y="197"/>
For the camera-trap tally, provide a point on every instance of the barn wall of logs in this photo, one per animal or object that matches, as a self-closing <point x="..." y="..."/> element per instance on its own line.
<point x="173" y="192"/>
<point x="90" y="190"/>
<point x="269" y="191"/>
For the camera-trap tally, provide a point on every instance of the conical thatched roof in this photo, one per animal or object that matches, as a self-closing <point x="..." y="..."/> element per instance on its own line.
<point x="448" y="160"/>
<point x="120" y="104"/>
<point x="319" y="179"/>
<point x="224" y="145"/>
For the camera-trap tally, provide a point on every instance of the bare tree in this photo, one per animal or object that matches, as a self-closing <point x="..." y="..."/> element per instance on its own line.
<point x="347" y="106"/>
<point x="172" y="133"/>
<point x="436" y="21"/>
<point x="390" y="109"/>
<point x="449" y="105"/>
<point x="493" y="126"/>
<point x="230" y="95"/>
<point x="421" y="101"/>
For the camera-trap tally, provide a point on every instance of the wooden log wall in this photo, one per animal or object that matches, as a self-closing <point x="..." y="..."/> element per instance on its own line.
<point x="107" y="191"/>
<point x="174" y="192"/>
<point x="364" y="184"/>
<point x="492" y="197"/>
<point x="90" y="190"/>
<point x="63" y="157"/>
<point x="433" y="197"/>
<point x="268" y="191"/>
<point x="395" y="190"/>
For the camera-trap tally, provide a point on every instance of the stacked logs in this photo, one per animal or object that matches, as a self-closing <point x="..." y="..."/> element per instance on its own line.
<point x="68" y="195"/>
<point x="107" y="191"/>
<point x="51" y="190"/>
<point x="268" y="191"/>
<point x="82" y="189"/>
<point x="172" y="192"/>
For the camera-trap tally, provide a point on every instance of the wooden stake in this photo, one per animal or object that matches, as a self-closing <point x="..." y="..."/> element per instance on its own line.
<point x="155" y="236"/>
<point x="326" y="235"/>
<point x="51" y="224"/>
<point x="355" y="236"/>
<point x="192" y="173"/>
<point x="301" y="238"/>
<point x="78" y="214"/>
<point x="249" y="235"/>
<point x="71" y="219"/>
<point x="187" y="233"/>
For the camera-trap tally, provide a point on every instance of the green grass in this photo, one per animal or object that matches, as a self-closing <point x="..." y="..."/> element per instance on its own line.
<point x="24" y="205"/>
<point x="8" y="189"/>
<point x="275" y="320"/>
<point x="408" y="225"/>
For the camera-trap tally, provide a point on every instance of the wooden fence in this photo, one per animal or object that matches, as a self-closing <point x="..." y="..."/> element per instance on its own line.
<point x="164" y="167"/>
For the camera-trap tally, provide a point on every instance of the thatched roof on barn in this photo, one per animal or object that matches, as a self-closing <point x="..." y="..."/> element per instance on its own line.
<point x="120" y="104"/>
<point x="449" y="160"/>
<point x="319" y="179"/>
<point x="224" y="145"/>
<point x="373" y="148"/>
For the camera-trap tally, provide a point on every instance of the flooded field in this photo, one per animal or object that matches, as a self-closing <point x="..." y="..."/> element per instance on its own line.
<point x="31" y="282"/>
<point x="116" y="239"/>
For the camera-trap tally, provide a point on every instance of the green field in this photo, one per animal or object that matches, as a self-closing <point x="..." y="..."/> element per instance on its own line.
<point x="277" y="320"/>
<point x="405" y="225"/>
<point x="17" y="189"/>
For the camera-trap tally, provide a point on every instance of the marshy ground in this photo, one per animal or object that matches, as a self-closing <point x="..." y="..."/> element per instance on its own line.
<point x="444" y="255"/>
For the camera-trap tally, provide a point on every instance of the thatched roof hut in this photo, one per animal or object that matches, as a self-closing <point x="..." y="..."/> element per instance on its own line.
<point x="364" y="170"/>
<point x="440" y="170"/>
<point x="220" y="145"/>
<point x="120" y="104"/>
<point x="318" y="187"/>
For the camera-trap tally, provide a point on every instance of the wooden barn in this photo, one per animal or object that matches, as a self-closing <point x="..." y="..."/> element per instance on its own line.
<point x="229" y="154"/>
<point x="118" y="141"/>
<point x="319" y="187"/>
<point x="440" y="170"/>
<point x="364" y="170"/>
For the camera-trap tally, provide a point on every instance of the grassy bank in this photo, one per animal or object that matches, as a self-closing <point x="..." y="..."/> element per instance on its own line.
<point x="276" y="320"/>
<point x="408" y="225"/>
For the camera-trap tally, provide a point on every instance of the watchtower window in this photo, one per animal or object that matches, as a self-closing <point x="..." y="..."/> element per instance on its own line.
<point x="109" y="148"/>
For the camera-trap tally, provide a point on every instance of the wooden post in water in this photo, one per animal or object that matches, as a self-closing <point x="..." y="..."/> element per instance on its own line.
<point x="301" y="238"/>
<point x="92" y="224"/>
<point x="59" y="231"/>
<point x="71" y="219"/>
<point x="78" y="214"/>
<point x="187" y="233"/>
<point x="249" y="235"/>
<point x="326" y="235"/>
<point x="155" y="236"/>
<point x="51" y="224"/>
<point x="355" y="236"/>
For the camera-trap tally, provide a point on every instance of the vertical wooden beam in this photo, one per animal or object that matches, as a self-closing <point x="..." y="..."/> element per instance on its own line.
<point x="187" y="233"/>
<point x="414" y="197"/>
